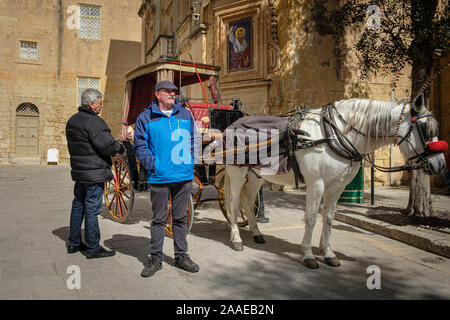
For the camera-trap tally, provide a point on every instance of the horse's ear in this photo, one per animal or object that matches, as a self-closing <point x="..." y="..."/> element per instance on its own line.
<point x="419" y="104"/>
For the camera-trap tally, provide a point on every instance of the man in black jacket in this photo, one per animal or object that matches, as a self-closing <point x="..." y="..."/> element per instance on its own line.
<point x="91" y="146"/>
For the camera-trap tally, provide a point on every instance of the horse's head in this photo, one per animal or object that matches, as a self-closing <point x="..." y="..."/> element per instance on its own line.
<point x="416" y="136"/>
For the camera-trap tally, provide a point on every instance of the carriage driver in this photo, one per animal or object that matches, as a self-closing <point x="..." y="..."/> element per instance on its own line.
<point x="160" y="131"/>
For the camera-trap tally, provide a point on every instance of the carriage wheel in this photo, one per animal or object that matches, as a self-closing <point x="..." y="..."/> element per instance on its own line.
<point x="119" y="193"/>
<point x="242" y="219"/>
<point x="190" y="217"/>
<point x="197" y="188"/>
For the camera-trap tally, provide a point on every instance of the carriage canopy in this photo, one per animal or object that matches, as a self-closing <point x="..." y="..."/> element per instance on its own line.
<point x="141" y="82"/>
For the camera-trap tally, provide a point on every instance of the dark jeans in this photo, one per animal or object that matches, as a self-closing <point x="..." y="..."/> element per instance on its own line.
<point x="87" y="204"/>
<point x="159" y="195"/>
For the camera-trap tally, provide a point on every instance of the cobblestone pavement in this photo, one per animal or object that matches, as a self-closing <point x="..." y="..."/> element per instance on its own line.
<point x="34" y="223"/>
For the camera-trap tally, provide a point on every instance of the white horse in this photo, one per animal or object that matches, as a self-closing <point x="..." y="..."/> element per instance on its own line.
<point x="368" y="125"/>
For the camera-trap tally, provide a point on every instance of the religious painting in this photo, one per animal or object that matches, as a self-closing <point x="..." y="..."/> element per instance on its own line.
<point x="240" y="45"/>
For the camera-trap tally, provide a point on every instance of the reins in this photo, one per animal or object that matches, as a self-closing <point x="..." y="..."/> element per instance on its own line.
<point x="340" y="144"/>
<point x="298" y="139"/>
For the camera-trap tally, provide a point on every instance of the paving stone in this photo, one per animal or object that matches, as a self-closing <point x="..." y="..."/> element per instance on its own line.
<point x="34" y="260"/>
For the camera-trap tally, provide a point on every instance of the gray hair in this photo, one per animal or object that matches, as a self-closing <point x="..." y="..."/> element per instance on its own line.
<point x="90" y="95"/>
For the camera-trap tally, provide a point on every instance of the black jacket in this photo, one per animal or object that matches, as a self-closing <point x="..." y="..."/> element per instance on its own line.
<point x="91" y="146"/>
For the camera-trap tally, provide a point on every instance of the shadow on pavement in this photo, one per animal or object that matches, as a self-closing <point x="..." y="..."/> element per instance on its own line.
<point x="134" y="246"/>
<point x="280" y="279"/>
<point x="63" y="234"/>
<point x="218" y="231"/>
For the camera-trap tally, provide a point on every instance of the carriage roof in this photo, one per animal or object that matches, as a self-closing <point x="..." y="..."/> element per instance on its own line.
<point x="142" y="79"/>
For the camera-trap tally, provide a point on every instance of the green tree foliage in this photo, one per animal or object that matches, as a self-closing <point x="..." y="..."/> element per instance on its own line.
<point x="395" y="34"/>
<point x="407" y="32"/>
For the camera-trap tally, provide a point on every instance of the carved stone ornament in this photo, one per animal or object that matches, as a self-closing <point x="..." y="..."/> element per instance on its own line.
<point x="273" y="49"/>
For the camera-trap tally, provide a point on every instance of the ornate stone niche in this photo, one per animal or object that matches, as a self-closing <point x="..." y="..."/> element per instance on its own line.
<point x="246" y="20"/>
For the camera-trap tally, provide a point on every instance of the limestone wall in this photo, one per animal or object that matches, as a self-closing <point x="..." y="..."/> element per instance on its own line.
<point x="440" y="106"/>
<point x="50" y="83"/>
<point x="312" y="73"/>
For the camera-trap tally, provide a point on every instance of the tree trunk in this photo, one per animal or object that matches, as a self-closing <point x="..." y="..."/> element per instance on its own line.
<point x="420" y="203"/>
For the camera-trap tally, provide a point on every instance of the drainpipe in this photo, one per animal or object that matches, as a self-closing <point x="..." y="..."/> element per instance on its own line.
<point x="372" y="181"/>
<point x="391" y="174"/>
<point x="60" y="37"/>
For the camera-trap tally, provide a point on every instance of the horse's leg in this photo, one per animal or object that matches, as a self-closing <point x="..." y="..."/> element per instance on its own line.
<point x="234" y="178"/>
<point x="314" y="192"/>
<point x="248" y="199"/>
<point x="329" y="207"/>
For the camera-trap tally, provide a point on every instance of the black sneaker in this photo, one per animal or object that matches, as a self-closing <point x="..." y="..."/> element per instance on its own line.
<point x="73" y="249"/>
<point x="152" y="266"/>
<point x="185" y="263"/>
<point x="100" y="253"/>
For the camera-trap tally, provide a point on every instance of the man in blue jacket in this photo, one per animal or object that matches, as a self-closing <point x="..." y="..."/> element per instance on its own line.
<point x="166" y="142"/>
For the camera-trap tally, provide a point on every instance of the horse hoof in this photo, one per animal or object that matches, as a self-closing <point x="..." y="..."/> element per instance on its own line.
<point x="238" y="246"/>
<point x="334" y="262"/>
<point x="259" y="239"/>
<point x="311" y="263"/>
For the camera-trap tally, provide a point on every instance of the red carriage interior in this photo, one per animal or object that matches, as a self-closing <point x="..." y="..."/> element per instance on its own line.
<point x="141" y="82"/>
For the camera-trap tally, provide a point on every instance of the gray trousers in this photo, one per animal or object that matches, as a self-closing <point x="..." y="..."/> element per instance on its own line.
<point x="159" y="195"/>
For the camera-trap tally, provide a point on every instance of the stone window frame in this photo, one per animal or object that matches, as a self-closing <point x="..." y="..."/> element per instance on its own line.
<point x="87" y="86"/>
<point x="90" y="19"/>
<point x="19" y="59"/>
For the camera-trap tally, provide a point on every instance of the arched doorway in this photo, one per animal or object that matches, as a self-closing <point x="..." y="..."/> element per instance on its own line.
<point x="27" y="130"/>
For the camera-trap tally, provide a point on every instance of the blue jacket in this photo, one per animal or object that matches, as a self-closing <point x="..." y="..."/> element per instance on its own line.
<point x="167" y="147"/>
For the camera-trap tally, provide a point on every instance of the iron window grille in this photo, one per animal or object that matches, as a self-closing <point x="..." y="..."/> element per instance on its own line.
<point x="27" y="109"/>
<point x="90" y="22"/>
<point x="28" y="50"/>
<point x="86" y="83"/>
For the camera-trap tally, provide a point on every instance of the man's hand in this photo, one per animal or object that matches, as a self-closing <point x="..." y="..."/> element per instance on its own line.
<point x="121" y="148"/>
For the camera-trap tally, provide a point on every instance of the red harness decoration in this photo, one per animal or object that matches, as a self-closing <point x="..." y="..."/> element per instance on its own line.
<point x="437" y="146"/>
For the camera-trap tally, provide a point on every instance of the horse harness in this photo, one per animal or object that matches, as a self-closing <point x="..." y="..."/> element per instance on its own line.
<point x="297" y="139"/>
<point x="294" y="139"/>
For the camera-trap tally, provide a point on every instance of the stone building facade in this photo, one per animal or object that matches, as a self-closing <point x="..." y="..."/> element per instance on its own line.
<point x="50" y="51"/>
<point x="440" y="104"/>
<point x="267" y="54"/>
<point x="288" y="66"/>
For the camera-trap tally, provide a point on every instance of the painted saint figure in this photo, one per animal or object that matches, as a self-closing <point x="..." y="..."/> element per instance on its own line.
<point x="240" y="50"/>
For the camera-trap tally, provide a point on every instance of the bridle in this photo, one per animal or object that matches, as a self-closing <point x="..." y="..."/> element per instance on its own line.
<point x="422" y="134"/>
<point x="424" y="164"/>
<point x="340" y="144"/>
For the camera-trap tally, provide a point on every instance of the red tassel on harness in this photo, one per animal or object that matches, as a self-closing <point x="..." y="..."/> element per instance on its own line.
<point x="437" y="146"/>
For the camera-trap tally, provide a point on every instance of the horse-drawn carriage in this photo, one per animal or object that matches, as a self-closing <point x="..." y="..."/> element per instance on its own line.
<point x="326" y="144"/>
<point x="211" y="119"/>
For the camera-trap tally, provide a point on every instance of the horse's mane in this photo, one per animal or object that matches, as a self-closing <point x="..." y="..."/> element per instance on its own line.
<point x="370" y="117"/>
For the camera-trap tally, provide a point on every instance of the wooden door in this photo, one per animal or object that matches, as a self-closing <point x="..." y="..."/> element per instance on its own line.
<point x="27" y="134"/>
